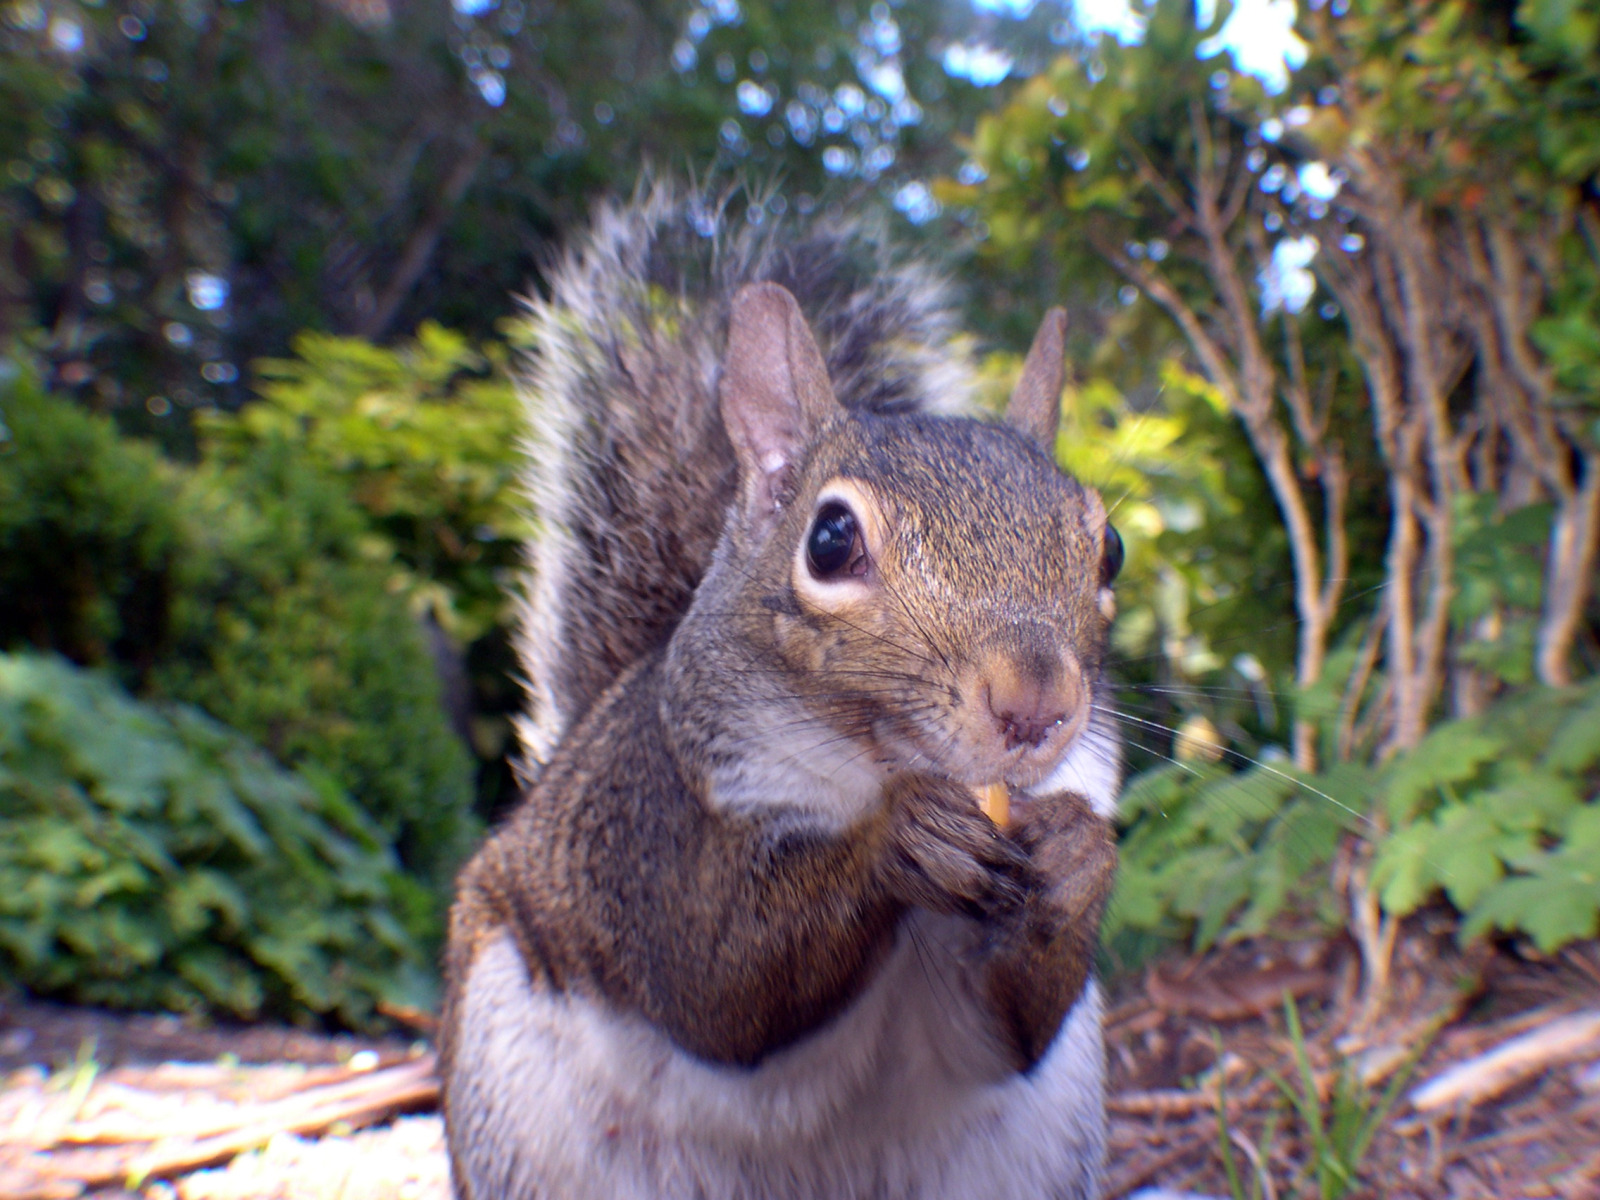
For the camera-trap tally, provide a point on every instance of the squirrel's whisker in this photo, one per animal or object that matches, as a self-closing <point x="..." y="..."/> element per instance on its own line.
<point x="1239" y="756"/>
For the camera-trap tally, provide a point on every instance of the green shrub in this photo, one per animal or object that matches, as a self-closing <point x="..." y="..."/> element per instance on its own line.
<point x="1499" y="814"/>
<point x="1207" y="852"/>
<point x="423" y="439"/>
<point x="90" y="534"/>
<point x="286" y="630"/>
<point x="255" y="591"/>
<point x="151" y="857"/>
<point x="1502" y="814"/>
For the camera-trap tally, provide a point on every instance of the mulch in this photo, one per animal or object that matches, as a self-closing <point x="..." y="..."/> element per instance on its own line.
<point x="1510" y="1045"/>
<point x="1500" y="1097"/>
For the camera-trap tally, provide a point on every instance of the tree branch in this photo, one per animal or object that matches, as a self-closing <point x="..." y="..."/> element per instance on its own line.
<point x="424" y="239"/>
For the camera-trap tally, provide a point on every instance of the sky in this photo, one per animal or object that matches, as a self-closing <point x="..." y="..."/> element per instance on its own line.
<point x="1258" y="35"/>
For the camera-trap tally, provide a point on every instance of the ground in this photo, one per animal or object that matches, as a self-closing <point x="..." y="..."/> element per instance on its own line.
<point x="1497" y="1053"/>
<point x="1519" y="1039"/>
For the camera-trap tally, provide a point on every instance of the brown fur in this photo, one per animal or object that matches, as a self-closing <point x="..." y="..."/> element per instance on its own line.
<point x="732" y="933"/>
<point x="629" y="465"/>
<point x="648" y="869"/>
<point x="619" y="880"/>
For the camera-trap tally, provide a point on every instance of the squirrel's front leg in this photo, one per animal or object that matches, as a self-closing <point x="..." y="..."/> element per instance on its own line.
<point x="1039" y="889"/>
<point x="946" y="856"/>
<point x="1040" y="959"/>
<point x="757" y="934"/>
<point x="773" y="930"/>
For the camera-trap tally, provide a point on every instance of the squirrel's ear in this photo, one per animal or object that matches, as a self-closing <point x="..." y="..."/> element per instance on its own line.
<point x="1035" y="406"/>
<point x="775" y="391"/>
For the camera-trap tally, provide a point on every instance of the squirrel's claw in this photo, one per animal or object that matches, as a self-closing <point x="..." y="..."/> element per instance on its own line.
<point x="1073" y="854"/>
<point x="948" y="857"/>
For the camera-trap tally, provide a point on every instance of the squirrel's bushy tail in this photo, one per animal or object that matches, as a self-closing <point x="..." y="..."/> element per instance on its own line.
<point x="629" y="470"/>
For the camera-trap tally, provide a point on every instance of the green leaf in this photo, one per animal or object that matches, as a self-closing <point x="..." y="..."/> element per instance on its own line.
<point x="1555" y="906"/>
<point x="1158" y="790"/>
<point x="1575" y="747"/>
<point x="1531" y="799"/>
<point x="1403" y="868"/>
<point x="222" y="980"/>
<point x="1233" y="804"/>
<point x="1452" y="754"/>
<point x="201" y="898"/>
<point x="1467" y="850"/>
<point x="1557" y="901"/>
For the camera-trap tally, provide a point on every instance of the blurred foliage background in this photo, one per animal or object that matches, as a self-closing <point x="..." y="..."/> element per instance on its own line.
<point x="1333" y="270"/>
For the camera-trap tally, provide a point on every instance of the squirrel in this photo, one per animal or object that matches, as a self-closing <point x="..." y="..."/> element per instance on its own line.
<point x="748" y="934"/>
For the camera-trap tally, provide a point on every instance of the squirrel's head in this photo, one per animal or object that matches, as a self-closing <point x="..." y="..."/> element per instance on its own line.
<point x="935" y="589"/>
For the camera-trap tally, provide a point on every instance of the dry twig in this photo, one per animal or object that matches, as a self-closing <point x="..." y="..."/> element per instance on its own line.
<point x="134" y="1134"/>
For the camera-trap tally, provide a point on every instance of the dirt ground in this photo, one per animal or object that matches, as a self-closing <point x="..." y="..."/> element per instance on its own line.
<point x="300" y="1116"/>
<point x="1530" y="1128"/>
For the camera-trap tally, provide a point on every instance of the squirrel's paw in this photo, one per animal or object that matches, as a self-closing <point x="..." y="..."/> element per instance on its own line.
<point x="947" y="856"/>
<point x="1072" y="855"/>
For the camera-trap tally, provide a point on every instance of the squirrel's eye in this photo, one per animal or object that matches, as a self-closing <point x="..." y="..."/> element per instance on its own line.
<point x="1112" y="562"/>
<point x="832" y="539"/>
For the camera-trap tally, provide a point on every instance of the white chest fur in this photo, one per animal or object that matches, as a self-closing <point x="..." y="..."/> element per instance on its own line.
<point x="900" y="1097"/>
<point x="1092" y="768"/>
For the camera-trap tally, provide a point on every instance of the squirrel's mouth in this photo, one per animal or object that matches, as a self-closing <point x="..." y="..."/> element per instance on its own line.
<point x="998" y="777"/>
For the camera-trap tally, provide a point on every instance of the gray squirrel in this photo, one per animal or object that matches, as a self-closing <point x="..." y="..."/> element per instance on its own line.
<point x="749" y="934"/>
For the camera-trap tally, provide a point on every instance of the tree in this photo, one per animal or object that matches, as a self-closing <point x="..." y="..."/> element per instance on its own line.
<point x="1129" y="158"/>
<point x="1459" y="243"/>
<point x="186" y="185"/>
<point x="1469" y="226"/>
<point x="1392" y="169"/>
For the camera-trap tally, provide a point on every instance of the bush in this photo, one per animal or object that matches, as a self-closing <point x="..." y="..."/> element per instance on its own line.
<point x="90" y="535"/>
<point x="254" y="591"/>
<point x="151" y="857"/>
<point x="1208" y="853"/>
<point x="1498" y="813"/>
<point x="423" y="440"/>
<point x="286" y="631"/>
<point x="1502" y="814"/>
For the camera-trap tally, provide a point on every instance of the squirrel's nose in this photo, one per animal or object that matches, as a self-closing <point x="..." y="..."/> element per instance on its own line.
<point x="1029" y="702"/>
<point x="1026" y="711"/>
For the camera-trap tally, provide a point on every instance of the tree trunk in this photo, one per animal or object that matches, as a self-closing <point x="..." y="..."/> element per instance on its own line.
<point x="419" y="247"/>
<point x="1569" y="577"/>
